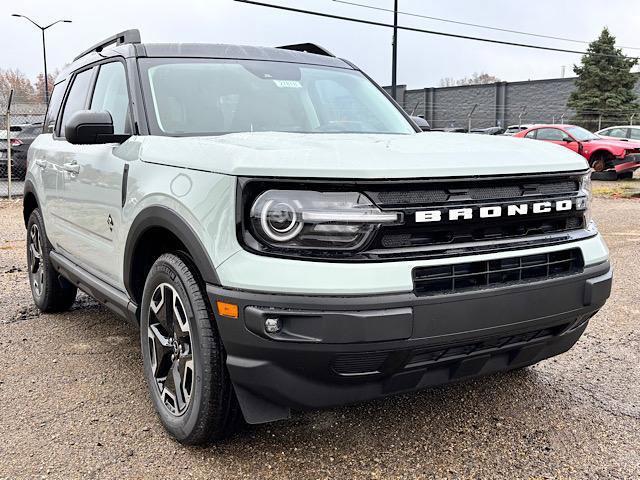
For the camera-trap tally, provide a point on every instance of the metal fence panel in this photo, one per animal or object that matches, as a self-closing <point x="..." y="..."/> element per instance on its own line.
<point x="21" y="118"/>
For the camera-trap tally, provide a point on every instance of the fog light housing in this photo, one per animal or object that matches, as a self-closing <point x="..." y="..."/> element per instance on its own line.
<point x="272" y="325"/>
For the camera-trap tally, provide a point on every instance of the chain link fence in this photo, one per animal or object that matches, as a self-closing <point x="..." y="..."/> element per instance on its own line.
<point x="21" y="118"/>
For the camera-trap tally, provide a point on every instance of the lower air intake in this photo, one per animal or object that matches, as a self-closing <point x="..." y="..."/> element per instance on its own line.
<point x="464" y="277"/>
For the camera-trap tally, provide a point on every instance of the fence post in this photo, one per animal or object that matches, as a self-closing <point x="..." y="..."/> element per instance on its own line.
<point x="631" y="118"/>
<point x="469" y="117"/>
<point x="9" y="144"/>
<point x="599" y="122"/>
<point x="522" y="112"/>
<point x="562" y="119"/>
<point x="553" y="120"/>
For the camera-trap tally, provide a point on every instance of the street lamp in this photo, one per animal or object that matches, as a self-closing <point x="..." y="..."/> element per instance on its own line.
<point x="44" y="51"/>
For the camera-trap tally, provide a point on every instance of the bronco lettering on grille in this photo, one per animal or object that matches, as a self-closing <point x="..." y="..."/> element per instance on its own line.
<point x="493" y="211"/>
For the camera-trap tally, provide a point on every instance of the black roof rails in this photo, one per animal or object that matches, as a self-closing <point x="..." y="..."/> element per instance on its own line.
<point x="309" y="48"/>
<point x="128" y="36"/>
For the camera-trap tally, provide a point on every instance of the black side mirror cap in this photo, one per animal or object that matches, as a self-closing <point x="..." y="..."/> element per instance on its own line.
<point x="567" y="139"/>
<point x="88" y="127"/>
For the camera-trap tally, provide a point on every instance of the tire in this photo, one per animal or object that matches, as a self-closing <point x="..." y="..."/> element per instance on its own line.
<point x="599" y="162"/>
<point x="185" y="341"/>
<point x="51" y="292"/>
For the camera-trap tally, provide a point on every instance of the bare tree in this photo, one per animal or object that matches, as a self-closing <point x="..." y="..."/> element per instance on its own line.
<point x="481" y="78"/>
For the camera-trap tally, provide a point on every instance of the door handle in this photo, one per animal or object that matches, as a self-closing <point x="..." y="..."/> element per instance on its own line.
<point x="72" y="168"/>
<point x="41" y="163"/>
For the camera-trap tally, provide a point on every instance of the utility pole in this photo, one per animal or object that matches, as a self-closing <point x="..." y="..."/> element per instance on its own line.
<point x="44" y="51"/>
<point x="394" y="54"/>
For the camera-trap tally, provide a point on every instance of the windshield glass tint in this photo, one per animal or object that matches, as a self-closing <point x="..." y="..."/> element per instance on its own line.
<point x="203" y="97"/>
<point x="581" y="134"/>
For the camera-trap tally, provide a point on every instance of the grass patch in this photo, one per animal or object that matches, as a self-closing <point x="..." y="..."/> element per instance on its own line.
<point x="623" y="189"/>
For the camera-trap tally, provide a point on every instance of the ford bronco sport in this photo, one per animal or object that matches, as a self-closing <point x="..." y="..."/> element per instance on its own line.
<point x="285" y="238"/>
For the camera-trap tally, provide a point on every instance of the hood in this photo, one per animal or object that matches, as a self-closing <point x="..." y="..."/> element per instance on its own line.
<point x="421" y="155"/>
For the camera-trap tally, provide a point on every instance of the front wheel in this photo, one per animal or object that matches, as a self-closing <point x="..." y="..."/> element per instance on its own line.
<point x="184" y="361"/>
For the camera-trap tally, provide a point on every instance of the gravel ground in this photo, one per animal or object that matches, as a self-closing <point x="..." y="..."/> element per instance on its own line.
<point x="74" y="403"/>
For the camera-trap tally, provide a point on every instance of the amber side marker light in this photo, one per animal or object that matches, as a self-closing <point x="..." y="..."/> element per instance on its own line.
<point x="227" y="309"/>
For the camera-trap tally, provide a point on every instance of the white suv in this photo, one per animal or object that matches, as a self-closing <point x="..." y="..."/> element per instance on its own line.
<point x="286" y="239"/>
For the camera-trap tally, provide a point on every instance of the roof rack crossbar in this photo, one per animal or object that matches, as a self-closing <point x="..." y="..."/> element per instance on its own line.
<point x="309" y="48"/>
<point x="128" y="36"/>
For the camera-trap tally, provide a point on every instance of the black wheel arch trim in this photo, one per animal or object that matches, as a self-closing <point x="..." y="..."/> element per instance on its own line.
<point x="29" y="189"/>
<point x="159" y="216"/>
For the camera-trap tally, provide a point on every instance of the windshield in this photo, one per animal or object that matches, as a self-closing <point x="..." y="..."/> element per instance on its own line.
<point x="581" y="135"/>
<point x="212" y="97"/>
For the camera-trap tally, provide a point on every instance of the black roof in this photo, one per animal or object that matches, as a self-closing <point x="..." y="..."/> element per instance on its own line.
<point x="127" y="44"/>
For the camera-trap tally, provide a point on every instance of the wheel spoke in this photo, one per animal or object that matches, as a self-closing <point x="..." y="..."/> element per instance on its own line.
<point x="172" y="361"/>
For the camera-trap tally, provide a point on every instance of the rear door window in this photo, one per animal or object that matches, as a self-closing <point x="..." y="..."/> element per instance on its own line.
<point x="54" y="107"/>
<point x="77" y="98"/>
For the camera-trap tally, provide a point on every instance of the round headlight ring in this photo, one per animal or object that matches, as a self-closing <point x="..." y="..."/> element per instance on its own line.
<point x="280" y="221"/>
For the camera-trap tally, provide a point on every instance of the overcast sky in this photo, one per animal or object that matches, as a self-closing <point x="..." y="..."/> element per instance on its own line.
<point x="423" y="59"/>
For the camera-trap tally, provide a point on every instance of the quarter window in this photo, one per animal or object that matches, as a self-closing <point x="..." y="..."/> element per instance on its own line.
<point x="634" y="133"/>
<point x="111" y="95"/>
<point x="531" y="134"/>
<point x="77" y="98"/>
<point x="54" y="107"/>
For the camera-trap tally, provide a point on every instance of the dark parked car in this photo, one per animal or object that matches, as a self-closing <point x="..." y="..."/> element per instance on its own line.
<point x="488" y="131"/>
<point x="21" y="138"/>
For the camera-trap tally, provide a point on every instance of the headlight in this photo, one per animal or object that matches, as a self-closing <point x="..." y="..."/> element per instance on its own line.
<point x="298" y="219"/>
<point x="584" y="201"/>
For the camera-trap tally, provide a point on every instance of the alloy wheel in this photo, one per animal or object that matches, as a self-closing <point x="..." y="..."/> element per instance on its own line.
<point x="36" y="270"/>
<point x="169" y="337"/>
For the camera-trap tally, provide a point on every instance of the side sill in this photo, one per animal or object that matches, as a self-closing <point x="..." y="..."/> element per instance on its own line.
<point x="110" y="297"/>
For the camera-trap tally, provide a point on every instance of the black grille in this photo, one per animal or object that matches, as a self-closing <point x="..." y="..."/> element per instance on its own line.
<point x="475" y="190"/>
<point x="473" y="193"/>
<point x="359" y="363"/>
<point x="463" y="277"/>
<point x="424" y="356"/>
<point x="371" y="363"/>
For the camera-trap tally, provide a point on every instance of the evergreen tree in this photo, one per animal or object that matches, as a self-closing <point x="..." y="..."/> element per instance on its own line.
<point x="604" y="84"/>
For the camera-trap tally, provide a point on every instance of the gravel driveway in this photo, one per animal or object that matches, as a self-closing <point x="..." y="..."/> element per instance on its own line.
<point x="73" y="401"/>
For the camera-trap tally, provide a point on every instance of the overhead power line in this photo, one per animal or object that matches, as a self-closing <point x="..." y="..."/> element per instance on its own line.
<point x="476" y="25"/>
<point x="421" y="30"/>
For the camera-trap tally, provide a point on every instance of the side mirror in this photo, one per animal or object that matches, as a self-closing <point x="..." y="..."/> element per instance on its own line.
<point x="421" y="123"/>
<point x="88" y="127"/>
<point x="567" y="139"/>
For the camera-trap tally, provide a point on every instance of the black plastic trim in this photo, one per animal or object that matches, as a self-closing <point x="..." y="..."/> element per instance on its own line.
<point x="114" y="299"/>
<point x="164" y="217"/>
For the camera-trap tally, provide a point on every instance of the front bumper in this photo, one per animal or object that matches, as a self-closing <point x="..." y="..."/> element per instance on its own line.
<point x="334" y="350"/>
<point x="629" y="163"/>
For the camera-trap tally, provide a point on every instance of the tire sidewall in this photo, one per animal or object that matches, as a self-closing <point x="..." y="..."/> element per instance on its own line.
<point x="36" y="219"/>
<point x="179" y="426"/>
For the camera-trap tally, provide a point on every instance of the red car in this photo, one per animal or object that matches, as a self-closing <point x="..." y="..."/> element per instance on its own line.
<point x="621" y="156"/>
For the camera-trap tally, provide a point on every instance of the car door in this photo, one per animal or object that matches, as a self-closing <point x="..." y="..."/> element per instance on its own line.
<point x="93" y="186"/>
<point x="559" y="137"/>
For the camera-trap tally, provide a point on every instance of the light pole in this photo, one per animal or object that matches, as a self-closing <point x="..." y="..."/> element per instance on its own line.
<point x="44" y="51"/>
<point x="394" y="54"/>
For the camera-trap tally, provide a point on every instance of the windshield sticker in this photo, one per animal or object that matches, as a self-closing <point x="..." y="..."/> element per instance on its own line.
<point x="287" y="84"/>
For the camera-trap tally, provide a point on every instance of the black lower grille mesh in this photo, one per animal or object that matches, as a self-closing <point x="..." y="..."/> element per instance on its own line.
<point x="495" y="273"/>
